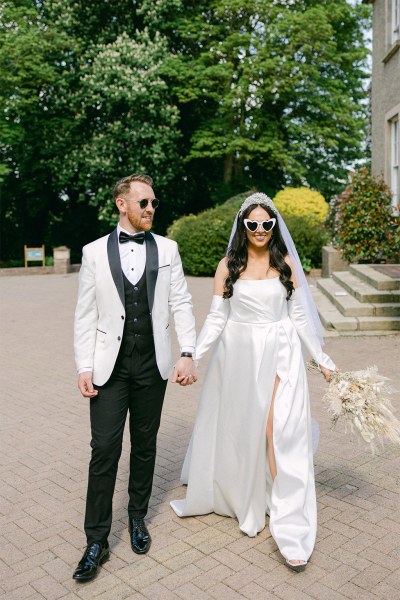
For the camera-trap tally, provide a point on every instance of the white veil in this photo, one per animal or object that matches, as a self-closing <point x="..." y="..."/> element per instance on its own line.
<point x="303" y="290"/>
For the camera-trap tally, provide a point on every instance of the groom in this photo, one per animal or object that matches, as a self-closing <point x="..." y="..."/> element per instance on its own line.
<point x="128" y="281"/>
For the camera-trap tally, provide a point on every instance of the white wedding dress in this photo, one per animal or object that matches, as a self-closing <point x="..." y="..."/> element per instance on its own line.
<point x="226" y="466"/>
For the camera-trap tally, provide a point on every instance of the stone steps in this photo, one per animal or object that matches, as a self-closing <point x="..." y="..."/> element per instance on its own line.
<point x="363" y="291"/>
<point x="350" y="306"/>
<point x="361" y="299"/>
<point x="331" y="317"/>
<point x="371" y="275"/>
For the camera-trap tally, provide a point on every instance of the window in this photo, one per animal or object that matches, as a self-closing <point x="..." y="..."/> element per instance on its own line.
<point x="394" y="161"/>
<point x="395" y="20"/>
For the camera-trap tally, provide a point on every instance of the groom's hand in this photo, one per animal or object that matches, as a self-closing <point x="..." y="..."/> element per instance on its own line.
<point x="184" y="371"/>
<point x="85" y="384"/>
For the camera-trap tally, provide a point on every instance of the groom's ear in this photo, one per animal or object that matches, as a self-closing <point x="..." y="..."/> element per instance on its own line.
<point x="120" y="203"/>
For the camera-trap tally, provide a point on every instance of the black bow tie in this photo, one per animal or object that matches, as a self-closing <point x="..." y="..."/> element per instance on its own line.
<point x="125" y="237"/>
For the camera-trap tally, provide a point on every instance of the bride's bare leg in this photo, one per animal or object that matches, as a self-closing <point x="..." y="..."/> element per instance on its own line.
<point x="270" y="433"/>
<point x="296" y="565"/>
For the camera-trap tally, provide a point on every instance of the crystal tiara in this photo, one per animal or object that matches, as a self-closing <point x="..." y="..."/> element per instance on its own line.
<point x="257" y="198"/>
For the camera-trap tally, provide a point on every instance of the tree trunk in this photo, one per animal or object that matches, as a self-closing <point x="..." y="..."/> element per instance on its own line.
<point x="238" y="168"/>
<point x="228" y="167"/>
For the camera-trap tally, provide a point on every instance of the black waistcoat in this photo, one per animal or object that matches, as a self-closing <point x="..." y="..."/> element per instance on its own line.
<point x="138" y="330"/>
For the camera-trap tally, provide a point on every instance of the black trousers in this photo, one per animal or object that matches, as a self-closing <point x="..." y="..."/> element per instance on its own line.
<point x="135" y="386"/>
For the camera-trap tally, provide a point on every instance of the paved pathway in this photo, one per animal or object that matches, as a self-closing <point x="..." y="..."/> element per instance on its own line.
<point x="43" y="469"/>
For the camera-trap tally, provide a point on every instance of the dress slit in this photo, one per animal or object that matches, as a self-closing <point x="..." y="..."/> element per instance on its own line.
<point x="270" y="424"/>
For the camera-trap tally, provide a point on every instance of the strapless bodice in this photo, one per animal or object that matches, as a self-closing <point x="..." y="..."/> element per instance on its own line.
<point x="258" y="301"/>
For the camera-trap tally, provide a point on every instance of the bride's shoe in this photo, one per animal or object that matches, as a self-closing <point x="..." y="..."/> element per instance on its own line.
<point x="296" y="566"/>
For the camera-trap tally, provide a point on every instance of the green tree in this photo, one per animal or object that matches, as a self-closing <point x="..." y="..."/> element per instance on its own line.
<point x="28" y="72"/>
<point x="271" y="92"/>
<point x="82" y="103"/>
<point x="122" y="122"/>
<point x="210" y="97"/>
<point x="120" y="115"/>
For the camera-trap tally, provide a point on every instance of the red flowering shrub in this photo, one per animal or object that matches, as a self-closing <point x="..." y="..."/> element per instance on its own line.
<point x="364" y="227"/>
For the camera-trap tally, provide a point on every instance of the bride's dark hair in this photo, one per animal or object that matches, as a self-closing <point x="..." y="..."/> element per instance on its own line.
<point x="237" y="253"/>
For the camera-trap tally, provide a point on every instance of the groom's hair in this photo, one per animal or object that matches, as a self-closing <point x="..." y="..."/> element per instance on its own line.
<point x="123" y="186"/>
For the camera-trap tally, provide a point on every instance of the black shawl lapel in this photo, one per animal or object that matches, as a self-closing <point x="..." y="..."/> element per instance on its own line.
<point x="115" y="263"/>
<point x="151" y="267"/>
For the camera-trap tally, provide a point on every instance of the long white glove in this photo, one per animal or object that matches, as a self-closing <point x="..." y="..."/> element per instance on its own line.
<point x="213" y="326"/>
<point x="309" y="339"/>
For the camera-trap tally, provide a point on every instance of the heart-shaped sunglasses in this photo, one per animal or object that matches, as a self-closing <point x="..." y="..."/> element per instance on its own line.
<point x="252" y="226"/>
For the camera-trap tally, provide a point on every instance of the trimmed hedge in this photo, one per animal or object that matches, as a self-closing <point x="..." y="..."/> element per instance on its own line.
<point x="309" y="236"/>
<point x="302" y="202"/>
<point x="203" y="238"/>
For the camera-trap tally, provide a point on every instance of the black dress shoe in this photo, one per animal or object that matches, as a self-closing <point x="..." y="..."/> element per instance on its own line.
<point x="95" y="555"/>
<point x="139" y="534"/>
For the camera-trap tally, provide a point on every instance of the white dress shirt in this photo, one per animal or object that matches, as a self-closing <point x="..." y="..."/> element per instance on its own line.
<point x="133" y="258"/>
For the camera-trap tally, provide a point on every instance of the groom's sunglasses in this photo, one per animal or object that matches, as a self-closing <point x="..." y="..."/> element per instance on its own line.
<point x="143" y="203"/>
<point x="253" y="225"/>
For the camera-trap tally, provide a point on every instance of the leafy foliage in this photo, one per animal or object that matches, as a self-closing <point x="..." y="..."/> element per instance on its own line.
<point x="271" y="91"/>
<point x="28" y="73"/>
<point x="302" y="202"/>
<point x="309" y="235"/>
<point x="203" y="238"/>
<point x="123" y="122"/>
<point x="365" y="229"/>
<point x="209" y="97"/>
<point x="84" y="103"/>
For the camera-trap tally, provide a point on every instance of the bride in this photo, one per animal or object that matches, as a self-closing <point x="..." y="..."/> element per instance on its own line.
<point x="251" y="447"/>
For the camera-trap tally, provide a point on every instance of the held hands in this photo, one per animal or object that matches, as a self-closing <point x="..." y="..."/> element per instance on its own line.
<point x="184" y="371"/>
<point x="85" y="384"/>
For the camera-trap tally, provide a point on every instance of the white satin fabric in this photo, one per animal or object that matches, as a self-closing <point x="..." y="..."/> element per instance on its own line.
<point x="226" y="465"/>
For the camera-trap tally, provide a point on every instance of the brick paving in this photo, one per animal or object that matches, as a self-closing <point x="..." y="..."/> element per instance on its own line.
<point x="43" y="468"/>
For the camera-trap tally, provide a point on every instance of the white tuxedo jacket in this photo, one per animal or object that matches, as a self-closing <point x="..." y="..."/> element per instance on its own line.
<point x="100" y="310"/>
